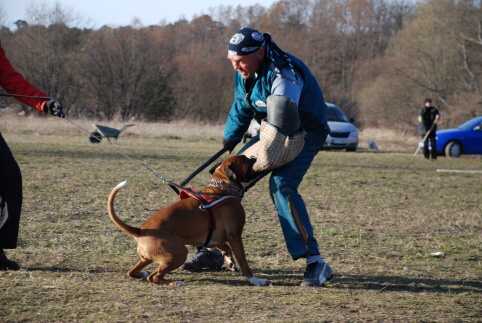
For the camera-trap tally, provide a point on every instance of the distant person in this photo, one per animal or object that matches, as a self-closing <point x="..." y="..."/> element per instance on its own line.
<point x="279" y="91"/>
<point x="10" y="175"/>
<point x="429" y="116"/>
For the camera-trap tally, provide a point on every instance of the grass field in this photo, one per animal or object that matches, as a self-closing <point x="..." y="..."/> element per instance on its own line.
<point x="378" y="218"/>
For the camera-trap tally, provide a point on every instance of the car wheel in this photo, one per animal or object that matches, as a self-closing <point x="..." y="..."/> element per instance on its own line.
<point x="351" y="149"/>
<point x="453" y="149"/>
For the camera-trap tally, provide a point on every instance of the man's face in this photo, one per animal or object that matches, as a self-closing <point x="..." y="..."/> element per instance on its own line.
<point x="247" y="65"/>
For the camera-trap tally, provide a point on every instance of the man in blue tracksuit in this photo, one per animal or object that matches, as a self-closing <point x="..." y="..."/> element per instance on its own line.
<point x="279" y="91"/>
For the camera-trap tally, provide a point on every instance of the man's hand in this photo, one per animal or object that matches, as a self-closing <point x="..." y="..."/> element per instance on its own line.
<point x="55" y="108"/>
<point x="229" y="145"/>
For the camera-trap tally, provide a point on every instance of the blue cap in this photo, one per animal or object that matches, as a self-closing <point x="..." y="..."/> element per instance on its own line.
<point x="245" y="41"/>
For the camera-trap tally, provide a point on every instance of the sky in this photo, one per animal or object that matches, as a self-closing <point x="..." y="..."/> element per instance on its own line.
<point x="116" y="13"/>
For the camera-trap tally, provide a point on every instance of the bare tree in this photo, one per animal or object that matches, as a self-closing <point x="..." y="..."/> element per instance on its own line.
<point x="204" y="79"/>
<point x="3" y="16"/>
<point x="40" y="13"/>
<point x="117" y="64"/>
<point x="45" y="50"/>
<point x="471" y="50"/>
<point x="367" y="55"/>
<point x="430" y="58"/>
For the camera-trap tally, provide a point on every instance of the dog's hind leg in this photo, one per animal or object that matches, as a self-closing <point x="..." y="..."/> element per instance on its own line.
<point x="171" y="255"/>
<point x="136" y="271"/>
<point x="165" y="267"/>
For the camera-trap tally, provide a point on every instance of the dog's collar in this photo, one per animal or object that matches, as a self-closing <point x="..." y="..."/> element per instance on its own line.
<point x="231" y="189"/>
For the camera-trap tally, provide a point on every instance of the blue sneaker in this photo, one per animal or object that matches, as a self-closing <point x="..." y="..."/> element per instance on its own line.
<point x="316" y="274"/>
<point x="204" y="259"/>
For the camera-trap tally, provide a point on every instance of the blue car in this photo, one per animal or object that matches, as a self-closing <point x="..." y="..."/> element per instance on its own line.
<point x="466" y="139"/>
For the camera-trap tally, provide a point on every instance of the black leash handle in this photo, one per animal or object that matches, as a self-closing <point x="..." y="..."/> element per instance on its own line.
<point x="203" y="166"/>
<point x="200" y="168"/>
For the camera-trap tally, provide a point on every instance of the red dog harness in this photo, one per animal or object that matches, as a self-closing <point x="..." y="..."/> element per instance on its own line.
<point x="208" y="203"/>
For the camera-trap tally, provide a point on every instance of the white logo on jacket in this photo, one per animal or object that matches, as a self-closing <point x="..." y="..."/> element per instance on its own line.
<point x="260" y="103"/>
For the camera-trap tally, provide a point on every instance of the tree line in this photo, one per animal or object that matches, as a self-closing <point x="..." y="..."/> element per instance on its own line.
<point x="376" y="59"/>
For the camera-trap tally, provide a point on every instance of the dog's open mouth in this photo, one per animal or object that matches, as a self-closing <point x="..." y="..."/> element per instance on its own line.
<point x="251" y="174"/>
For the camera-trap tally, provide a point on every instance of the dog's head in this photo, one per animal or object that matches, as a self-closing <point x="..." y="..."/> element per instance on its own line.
<point x="235" y="169"/>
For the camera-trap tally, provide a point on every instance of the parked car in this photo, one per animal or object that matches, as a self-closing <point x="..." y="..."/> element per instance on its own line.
<point x="343" y="133"/>
<point x="466" y="139"/>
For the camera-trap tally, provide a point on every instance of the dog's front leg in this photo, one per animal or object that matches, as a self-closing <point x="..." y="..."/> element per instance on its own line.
<point x="238" y="250"/>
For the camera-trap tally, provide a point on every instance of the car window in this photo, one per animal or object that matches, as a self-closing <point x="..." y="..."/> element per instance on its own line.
<point x="469" y="124"/>
<point x="335" y="114"/>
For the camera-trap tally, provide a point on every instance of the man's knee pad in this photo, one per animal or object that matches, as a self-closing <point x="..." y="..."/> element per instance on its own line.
<point x="283" y="114"/>
<point x="274" y="149"/>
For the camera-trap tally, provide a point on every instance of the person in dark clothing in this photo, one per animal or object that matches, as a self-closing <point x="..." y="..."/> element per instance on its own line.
<point x="10" y="175"/>
<point x="430" y="116"/>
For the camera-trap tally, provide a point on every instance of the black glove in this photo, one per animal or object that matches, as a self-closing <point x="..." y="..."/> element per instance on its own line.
<point x="55" y="108"/>
<point x="229" y="144"/>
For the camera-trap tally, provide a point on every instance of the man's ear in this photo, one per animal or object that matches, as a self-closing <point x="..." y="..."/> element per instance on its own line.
<point x="213" y="169"/>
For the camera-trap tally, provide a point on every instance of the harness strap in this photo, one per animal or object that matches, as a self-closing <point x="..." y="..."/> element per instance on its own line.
<point x="212" y="220"/>
<point x="206" y="206"/>
<point x="215" y="203"/>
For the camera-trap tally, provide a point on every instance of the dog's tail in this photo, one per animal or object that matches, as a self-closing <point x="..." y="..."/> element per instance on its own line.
<point x="135" y="232"/>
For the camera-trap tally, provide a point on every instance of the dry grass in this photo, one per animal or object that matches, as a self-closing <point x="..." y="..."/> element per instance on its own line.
<point x="54" y="126"/>
<point x="386" y="139"/>
<point x="378" y="217"/>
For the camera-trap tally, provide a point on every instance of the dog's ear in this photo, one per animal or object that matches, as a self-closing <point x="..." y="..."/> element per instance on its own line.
<point x="213" y="169"/>
<point x="230" y="174"/>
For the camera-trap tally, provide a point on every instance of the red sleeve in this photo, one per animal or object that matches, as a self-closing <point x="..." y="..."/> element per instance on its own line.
<point x="14" y="83"/>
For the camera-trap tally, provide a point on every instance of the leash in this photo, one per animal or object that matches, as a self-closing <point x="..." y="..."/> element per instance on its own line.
<point x="26" y="96"/>
<point x="163" y="179"/>
<point x="174" y="186"/>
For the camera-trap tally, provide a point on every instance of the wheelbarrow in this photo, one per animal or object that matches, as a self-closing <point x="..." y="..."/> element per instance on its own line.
<point x="107" y="132"/>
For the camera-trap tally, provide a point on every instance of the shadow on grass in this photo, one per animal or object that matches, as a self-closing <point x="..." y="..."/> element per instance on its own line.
<point x="393" y="283"/>
<point x="69" y="270"/>
<point x="293" y="279"/>
<point x="383" y="283"/>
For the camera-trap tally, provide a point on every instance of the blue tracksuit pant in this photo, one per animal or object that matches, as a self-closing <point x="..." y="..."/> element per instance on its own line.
<point x="285" y="180"/>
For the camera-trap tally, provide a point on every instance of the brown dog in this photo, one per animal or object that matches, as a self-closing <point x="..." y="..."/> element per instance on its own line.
<point x="163" y="237"/>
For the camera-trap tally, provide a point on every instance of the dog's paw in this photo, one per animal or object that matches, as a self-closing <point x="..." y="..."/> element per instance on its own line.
<point x="257" y="282"/>
<point x="233" y="266"/>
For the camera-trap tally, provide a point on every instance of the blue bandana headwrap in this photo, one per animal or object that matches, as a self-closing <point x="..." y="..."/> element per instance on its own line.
<point x="245" y="41"/>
